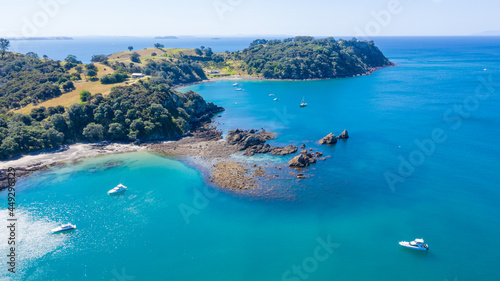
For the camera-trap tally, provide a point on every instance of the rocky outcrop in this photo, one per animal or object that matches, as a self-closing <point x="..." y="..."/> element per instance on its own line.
<point x="289" y="149"/>
<point x="257" y="149"/>
<point x="343" y="136"/>
<point x="329" y="139"/>
<point x="301" y="161"/>
<point x="254" y="142"/>
<point x="245" y="139"/>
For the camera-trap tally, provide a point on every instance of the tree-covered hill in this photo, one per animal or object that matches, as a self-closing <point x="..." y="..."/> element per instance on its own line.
<point x="26" y="78"/>
<point x="304" y="57"/>
<point x="145" y="110"/>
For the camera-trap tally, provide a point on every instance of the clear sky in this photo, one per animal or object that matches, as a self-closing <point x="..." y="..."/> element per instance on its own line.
<point x="31" y="18"/>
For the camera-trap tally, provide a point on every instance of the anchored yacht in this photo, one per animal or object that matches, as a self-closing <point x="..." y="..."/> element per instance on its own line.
<point x="119" y="188"/>
<point x="417" y="244"/>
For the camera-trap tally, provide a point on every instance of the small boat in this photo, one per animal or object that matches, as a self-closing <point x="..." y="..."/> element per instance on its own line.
<point x="235" y="84"/>
<point x="275" y="99"/>
<point x="417" y="244"/>
<point x="239" y="89"/>
<point x="119" y="188"/>
<point x="303" y="103"/>
<point x="63" y="228"/>
<point x="271" y="95"/>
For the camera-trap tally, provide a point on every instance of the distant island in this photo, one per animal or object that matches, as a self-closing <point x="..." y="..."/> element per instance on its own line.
<point x="166" y="37"/>
<point x="130" y="95"/>
<point x="42" y="38"/>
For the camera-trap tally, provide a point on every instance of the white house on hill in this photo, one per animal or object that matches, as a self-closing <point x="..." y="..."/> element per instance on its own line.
<point x="137" y="75"/>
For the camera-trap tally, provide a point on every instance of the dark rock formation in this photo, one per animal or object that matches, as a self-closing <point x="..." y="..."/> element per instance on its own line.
<point x="303" y="146"/>
<point x="329" y="139"/>
<point x="245" y="139"/>
<point x="254" y="142"/>
<point x="289" y="149"/>
<point x="303" y="160"/>
<point x="344" y="135"/>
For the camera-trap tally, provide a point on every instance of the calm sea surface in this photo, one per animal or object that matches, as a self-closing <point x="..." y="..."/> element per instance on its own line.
<point x="422" y="161"/>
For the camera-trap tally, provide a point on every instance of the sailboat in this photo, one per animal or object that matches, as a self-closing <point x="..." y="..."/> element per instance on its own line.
<point x="303" y="103"/>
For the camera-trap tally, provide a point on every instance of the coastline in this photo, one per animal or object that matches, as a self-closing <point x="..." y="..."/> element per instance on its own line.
<point x="43" y="160"/>
<point x="259" y="78"/>
<point x="222" y="164"/>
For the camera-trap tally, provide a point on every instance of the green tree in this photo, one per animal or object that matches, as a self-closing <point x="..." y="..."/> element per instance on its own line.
<point x="159" y="46"/>
<point x="9" y="148"/>
<point x="39" y="113"/>
<point x="98" y="58"/>
<point x="85" y="96"/>
<point x="32" y="55"/>
<point x="135" y="57"/>
<point x="130" y="48"/>
<point x="116" y="131"/>
<point x="4" y="45"/>
<point x="94" y="132"/>
<point x="59" y="123"/>
<point x="91" y="73"/>
<point x="198" y="52"/>
<point x="53" y="138"/>
<point x="72" y="59"/>
<point x="68" y="86"/>
<point x="209" y="52"/>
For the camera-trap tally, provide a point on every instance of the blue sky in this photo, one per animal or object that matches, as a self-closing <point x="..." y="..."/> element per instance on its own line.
<point x="248" y="17"/>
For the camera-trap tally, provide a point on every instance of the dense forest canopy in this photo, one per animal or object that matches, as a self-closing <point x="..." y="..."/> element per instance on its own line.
<point x="304" y="57"/>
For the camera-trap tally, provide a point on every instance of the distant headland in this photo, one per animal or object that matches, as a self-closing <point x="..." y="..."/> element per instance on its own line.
<point x="166" y="37"/>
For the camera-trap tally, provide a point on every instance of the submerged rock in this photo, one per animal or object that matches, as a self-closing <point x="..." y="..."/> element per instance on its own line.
<point x="344" y="135"/>
<point x="301" y="176"/>
<point x="329" y="139"/>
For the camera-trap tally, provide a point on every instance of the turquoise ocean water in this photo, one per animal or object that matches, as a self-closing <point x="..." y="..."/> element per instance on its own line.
<point x="443" y="86"/>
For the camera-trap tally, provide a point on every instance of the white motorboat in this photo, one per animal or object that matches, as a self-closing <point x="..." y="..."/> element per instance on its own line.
<point x="235" y="84"/>
<point x="417" y="244"/>
<point x="275" y="99"/>
<point x="63" y="228"/>
<point x="303" y="103"/>
<point x="239" y="89"/>
<point x="119" y="188"/>
<point x="271" y="95"/>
